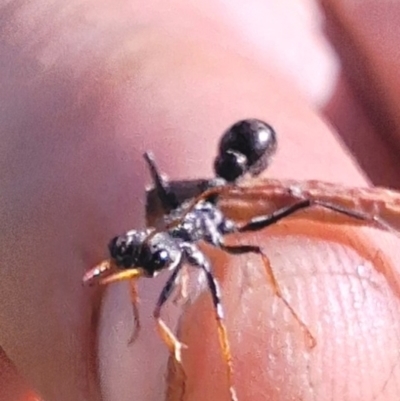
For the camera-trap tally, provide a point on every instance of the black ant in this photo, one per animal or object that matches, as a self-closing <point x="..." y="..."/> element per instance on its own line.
<point x="245" y="149"/>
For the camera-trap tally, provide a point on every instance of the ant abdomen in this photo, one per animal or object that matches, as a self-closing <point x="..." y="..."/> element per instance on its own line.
<point x="245" y="148"/>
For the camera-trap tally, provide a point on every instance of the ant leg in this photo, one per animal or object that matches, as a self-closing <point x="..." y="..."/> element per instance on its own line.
<point x="196" y="258"/>
<point x="166" y="195"/>
<point x="356" y="215"/>
<point x="136" y="317"/>
<point x="260" y="222"/>
<point x="173" y="344"/>
<point x="243" y="249"/>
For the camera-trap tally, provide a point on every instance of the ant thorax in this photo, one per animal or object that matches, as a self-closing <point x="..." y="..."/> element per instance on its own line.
<point x="204" y="222"/>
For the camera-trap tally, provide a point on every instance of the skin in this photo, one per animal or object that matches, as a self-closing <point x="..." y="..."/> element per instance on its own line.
<point x="86" y="88"/>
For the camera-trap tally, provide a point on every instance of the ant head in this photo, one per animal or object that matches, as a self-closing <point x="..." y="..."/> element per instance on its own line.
<point x="147" y="253"/>
<point x="125" y="254"/>
<point x="125" y="249"/>
<point x="246" y="147"/>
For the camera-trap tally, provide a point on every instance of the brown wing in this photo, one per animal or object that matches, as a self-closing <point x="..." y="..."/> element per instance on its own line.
<point x="266" y="196"/>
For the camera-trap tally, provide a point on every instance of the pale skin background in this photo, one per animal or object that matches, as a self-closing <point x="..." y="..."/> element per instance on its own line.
<point x="87" y="86"/>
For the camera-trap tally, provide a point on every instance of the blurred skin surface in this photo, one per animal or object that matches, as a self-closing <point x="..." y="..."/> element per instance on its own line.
<point x="87" y="86"/>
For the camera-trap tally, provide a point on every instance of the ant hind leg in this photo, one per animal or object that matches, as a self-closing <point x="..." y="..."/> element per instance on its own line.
<point x="243" y="249"/>
<point x="264" y="221"/>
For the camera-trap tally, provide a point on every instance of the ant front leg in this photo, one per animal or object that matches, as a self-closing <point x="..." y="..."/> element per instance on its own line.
<point x="136" y="317"/>
<point x="196" y="258"/>
<point x="243" y="249"/>
<point x="173" y="344"/>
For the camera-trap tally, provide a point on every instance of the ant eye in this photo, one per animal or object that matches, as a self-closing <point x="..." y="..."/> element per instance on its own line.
<point x="162" y="251"/>
<point x="160" y="259"/>
<point x="155" y="260"/>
